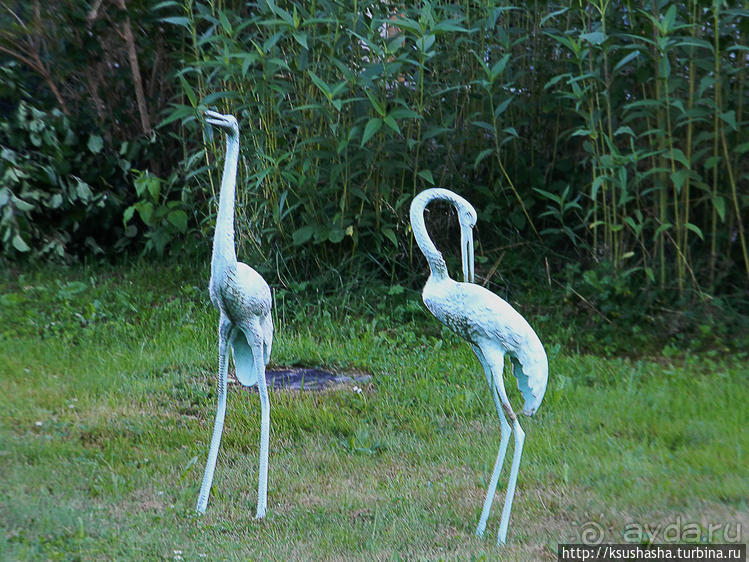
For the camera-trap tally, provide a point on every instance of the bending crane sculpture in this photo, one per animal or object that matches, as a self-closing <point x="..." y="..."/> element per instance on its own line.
<point x="493" y="329"/>
<point x="244" y="302"/>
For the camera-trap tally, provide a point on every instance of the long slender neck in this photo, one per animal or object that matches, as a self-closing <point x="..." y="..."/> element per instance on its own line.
<point x="437" y="264"/>
<point x="224" y="253"/>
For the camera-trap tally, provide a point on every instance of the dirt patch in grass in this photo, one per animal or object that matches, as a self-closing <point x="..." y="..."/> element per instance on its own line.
<point x="145" y="500"/>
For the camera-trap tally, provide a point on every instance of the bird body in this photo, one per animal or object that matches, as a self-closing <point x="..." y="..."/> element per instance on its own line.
<point x="493" y="328"/>
<point x="244" y="302"/>
<point x="483" y="319"/>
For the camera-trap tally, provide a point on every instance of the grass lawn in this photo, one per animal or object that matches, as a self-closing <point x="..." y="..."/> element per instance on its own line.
<point x="107" y="401"/>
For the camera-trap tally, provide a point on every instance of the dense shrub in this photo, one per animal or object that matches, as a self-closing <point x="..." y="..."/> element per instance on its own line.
<point x="610" y="133"/>
<point x="61" y="191"/>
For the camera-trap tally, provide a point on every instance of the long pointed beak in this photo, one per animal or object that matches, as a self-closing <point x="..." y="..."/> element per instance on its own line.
<point x="466" y="252"/>
<point x="211" y="113"/>
<point x="214" y="118"/>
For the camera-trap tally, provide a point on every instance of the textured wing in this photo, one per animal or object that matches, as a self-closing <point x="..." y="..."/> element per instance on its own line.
<point x="532" y="378"/>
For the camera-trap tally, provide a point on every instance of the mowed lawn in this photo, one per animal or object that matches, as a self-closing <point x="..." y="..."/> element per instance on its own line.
<point x="108" y="397"/>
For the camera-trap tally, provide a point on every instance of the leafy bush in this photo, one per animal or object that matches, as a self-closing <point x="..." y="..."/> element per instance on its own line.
<point x="607" y="131"/>
<point x="610" y="133"/>
<point x="57" y="197"/>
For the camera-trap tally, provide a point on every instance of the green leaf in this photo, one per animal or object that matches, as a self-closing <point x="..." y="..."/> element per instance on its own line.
<point x="679" y="177"/>
<point x="166" y="4"/>
<point x="662" y="228"/>
<point x="390" y="122"/>
<point x="188" y="91"/>
<point x="390" y="235"/>
<point x="502" y="107"/>
<point x="554" y="14"/>
<point x="597" y="185"/>
<point x="679" y="156"/>
<point x="595" y="37"/>
<point x="224" y="21"/>
<point x="303" y="234"/>
<point x="379" y="108"/>
<point x="668" y="20"/>
<point x="95" y="143"/>
<point x="433" y="132"/>
<point x="425" y="43"/>
<point x="624" y="130"/>
<point x="22" y="205"/>
<point x="694" y="228"/>
<point x="19" y="244"/>
<point x="720" y="206"/>
<point x="711" y="162"/>
<point x="145" y="210"/>
<point x="729" y="117"/>
<point x="83" y="190"/>
<point x="55" y="201"/>
<point x="374" y="125"/>
<point x="549" y="195"/>
<point x="483" y="154"/>
<point x="499" y="67"/>
<point x="177" y="20"/>
<point x="450" y="25"/>
<point x="301" y="38"/>
<point x="336" y="234"/>
<point x="128" y="214"/>
<point x="631" y="56"/>
<point x="483" y="125"/>
<point x="320" y="83"/>
<point x="405" y="114"/>
<point x="154" y="188"/>
<point x="178" y="219"/>
<point x="427" y="175"/>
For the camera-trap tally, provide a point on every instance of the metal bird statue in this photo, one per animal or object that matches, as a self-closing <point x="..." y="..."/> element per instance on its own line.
<point x="493" y="329"/>
<point x="243" y="299"/>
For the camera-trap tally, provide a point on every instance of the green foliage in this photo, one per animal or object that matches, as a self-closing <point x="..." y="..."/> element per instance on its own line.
<point x="600" y="126"/>
<point x="657" y="93"/>
<point x="604" y="132"/>
<point x="56" y="193"/>
<point x="345" y="114"/>
<point x="162" y="208"/>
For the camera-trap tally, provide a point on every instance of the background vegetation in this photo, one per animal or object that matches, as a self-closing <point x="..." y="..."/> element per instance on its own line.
<point x="604" y="146"/>
<point x="602" y="142"/>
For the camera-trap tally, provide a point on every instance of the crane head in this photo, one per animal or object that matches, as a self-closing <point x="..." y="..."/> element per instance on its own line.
<point x="228" y="123"/>
<point x="467" y="217"/>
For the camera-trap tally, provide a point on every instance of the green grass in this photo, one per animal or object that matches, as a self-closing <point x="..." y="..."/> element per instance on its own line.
<point x="108" y="397"/>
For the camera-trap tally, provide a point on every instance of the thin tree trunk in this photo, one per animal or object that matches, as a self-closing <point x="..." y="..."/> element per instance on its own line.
<point x="140" y="97"/>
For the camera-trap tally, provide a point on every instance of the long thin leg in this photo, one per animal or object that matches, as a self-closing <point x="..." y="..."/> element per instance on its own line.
<point x="224" y="333"/>
<point x="255" y="340"/>
<point x="504" y="440"/>
<point x="518" y="451"/>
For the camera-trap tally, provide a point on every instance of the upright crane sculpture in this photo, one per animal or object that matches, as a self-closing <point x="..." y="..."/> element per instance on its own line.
<point x="244" y="302"/>
<point x="493" y="329"/>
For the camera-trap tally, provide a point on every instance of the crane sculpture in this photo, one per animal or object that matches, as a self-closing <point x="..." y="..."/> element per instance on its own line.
<point x="493" y="329"/>
<point x="243" y="299"/>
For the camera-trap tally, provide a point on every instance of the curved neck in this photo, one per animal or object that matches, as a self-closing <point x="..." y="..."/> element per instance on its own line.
<point x="223" y="238"/>
<point x="437" y="265"/>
